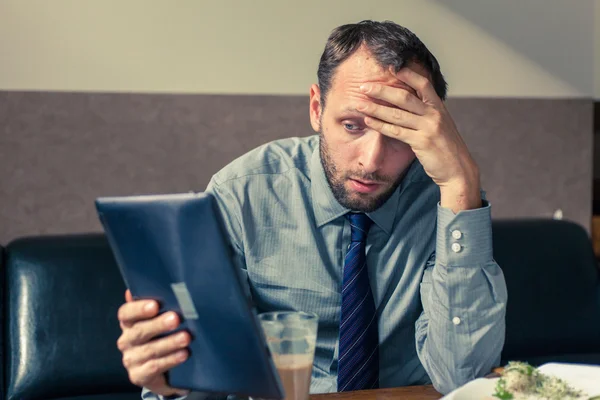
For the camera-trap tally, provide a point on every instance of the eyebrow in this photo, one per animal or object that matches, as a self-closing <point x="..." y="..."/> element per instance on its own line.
<point x="352" y="109"/>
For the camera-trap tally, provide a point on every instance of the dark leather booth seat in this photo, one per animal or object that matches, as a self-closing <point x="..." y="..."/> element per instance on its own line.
<point x="553" y="310"/>
<point x="61" y="295"/>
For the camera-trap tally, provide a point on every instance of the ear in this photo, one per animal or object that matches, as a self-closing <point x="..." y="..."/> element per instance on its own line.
<point x="315" y="109"/>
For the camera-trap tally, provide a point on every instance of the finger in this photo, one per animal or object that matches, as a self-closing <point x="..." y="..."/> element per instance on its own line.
<point x="144" y="331"/>
<point x="394" y="131"/>
<point x="156" y="349"/>
<point x="159" y="386"/>
<point x="420" y="84"/>
<point x="398" y="97"/>
<point x="128" y="296"/>
<point x="392" y="115"/>
<point x="150" y="370"/>
<point x="138" y="310"/>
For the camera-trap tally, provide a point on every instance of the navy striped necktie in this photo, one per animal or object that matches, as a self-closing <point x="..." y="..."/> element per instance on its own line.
<point x="358" y="361"/>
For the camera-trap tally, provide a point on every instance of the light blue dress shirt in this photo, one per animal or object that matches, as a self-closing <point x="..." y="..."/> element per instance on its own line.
<point x="440" y="296"/>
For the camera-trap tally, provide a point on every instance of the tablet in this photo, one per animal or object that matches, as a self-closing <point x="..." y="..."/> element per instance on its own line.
<point x="173" y="248"/>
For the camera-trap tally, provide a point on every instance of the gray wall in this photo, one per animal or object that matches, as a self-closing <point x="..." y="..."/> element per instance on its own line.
<point x="487" y="48"/>
<point x="597" y="49"/>
<point x="59" y="151"/>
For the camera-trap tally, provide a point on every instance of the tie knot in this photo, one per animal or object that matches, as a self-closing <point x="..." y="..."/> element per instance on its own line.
<point x="359" y="225"/>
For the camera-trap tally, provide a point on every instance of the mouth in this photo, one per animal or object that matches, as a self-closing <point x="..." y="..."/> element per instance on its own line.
<point x="364" y="186"/>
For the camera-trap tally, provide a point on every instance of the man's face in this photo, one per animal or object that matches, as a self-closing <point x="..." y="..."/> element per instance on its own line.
<point x="363" y="167"/>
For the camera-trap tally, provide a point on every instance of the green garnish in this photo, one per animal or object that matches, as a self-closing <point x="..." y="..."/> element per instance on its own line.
<point x="501" y="391"/>
<point x="520" y="378"/>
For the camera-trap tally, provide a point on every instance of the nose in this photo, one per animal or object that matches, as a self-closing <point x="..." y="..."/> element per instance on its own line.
<point x="372" y="152"/>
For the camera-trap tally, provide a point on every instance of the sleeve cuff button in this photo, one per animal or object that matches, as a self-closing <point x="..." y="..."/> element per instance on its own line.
<point x="456" y="247"/>
<point x="456" y="234"/>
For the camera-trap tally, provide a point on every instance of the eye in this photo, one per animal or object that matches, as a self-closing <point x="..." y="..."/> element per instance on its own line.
<point x="352" y="127"/>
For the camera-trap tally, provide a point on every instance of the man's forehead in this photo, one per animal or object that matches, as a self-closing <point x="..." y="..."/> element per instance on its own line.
<point x="350" y="89"/>
<point x="362" y="67"/>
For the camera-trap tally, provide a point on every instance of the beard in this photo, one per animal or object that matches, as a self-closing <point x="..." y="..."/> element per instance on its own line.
<point x="362" y="202"/>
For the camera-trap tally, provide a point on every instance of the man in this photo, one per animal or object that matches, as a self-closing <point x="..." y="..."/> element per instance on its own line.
<point x="377" y="224"/>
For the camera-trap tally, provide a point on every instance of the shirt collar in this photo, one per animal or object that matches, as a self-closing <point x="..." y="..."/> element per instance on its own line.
<point x="326" y="208"/>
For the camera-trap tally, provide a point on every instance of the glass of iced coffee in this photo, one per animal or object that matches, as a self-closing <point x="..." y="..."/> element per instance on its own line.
<point x="291" y="337"/>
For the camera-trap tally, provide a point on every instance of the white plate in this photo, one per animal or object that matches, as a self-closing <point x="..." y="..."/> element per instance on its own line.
<point x="582" y="377"/>
<point x="479" y="389"/>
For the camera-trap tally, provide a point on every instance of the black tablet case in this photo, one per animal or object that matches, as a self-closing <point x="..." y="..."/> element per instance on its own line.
<point x="173" y="248"/>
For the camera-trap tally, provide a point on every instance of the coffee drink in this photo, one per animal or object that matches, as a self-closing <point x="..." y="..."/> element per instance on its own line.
<point x="295" y="371"/>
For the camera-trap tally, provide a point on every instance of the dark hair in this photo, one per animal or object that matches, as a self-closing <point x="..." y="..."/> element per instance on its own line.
<point x="392" y="45"/>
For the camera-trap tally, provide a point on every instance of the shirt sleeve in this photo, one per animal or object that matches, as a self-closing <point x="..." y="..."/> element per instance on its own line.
<point x="231" y="216"/>
<point x="148" y="395"/>
<point x="460" y="333"/>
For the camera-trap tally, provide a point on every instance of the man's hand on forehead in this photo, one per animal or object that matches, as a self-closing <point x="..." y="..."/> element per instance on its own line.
<point x="419" y="118"/>
<point x="394" y="109"/>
